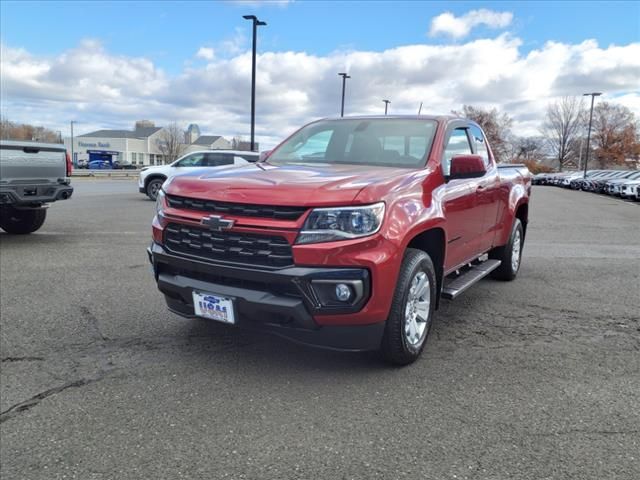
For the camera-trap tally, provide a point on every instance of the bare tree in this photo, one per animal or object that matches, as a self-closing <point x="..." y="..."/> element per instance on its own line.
<point x="563" y="124"/>
<point x="529" y="148"/>
<point x="171" y="142"/>
<point x="496" y="126"/>
<point x="14" y="131"/>
<point x="614" y="134"/>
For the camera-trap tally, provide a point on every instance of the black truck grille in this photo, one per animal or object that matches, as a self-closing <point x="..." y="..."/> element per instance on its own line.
<point x="238" y="209"/>
<point x="231" y="247"/>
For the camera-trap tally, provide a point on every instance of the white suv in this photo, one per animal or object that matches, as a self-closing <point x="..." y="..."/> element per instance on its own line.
<point x="152" y="178"/>
<point x="630" y="189"/>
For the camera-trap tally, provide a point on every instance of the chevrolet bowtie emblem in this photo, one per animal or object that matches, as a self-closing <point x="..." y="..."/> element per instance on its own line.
<point x="216" y="222"/>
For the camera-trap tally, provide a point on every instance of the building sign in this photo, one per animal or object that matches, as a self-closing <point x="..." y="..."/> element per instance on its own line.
<point x="94" y="145"/>
<point x="102" y="152"/>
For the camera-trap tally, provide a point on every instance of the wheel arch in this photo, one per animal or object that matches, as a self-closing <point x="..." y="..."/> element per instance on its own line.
<point x="522" y="214"/>
<point x="154" y="176"/>
<point x="433" y="242"/>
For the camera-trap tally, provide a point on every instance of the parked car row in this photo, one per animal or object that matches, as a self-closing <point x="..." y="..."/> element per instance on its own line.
<point x="105" y="165"/>
<point x="621" y="183"/>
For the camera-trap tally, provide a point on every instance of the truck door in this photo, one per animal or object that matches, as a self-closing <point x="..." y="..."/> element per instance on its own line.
<point x="488" y="190"/>
<point x="464" y="214"/>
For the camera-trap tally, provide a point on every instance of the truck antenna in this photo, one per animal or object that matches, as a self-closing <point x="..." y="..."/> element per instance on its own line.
<point x="420" y="109"/>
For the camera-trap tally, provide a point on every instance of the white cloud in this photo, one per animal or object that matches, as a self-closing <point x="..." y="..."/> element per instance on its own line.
<point x="234" y="44"/>
<point x="458" y="27"/>
<point x="103" y="90"/>
<point x="206" y="53"/>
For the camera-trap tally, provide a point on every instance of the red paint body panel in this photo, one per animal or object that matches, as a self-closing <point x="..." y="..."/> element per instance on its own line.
<point x="475" y="214"/>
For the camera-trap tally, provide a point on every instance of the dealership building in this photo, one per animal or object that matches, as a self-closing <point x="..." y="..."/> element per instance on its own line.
<point x="141" y="145"/>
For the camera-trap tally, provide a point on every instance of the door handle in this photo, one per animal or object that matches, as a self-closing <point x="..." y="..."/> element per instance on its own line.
<point x="480" y="188"/>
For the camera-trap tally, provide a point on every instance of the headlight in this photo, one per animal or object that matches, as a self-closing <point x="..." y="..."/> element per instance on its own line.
<point x="343" y="223"/>
<point x="160" y="202"/>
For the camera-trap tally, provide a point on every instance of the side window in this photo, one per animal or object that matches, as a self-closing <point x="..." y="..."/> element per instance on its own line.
<point x="458" y="144"/>
<point x="249" y="158"/>
<point x="195" y="160"/>
<point x="480" y="145"/>
<point x="218" y="159"/>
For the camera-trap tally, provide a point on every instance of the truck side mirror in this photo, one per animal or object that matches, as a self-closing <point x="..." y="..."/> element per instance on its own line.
<point x="467" y="166"/>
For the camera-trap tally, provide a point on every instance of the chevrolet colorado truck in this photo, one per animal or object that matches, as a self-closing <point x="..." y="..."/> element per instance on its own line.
<point x="346" y="235"/>
<point x="32" y="175"/>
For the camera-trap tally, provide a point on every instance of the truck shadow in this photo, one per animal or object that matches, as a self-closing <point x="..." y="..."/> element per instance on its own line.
<point x="250" y="347"/>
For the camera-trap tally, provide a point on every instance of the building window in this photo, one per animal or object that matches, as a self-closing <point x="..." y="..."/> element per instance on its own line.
<point x="133" y="157"/>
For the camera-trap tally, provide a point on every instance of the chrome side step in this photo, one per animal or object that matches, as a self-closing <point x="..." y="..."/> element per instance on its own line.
<point x="454" y="287"/>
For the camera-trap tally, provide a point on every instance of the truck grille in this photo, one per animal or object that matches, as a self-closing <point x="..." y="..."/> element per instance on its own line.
<point x="230" y="247"/>
<point x="238" y="209"/>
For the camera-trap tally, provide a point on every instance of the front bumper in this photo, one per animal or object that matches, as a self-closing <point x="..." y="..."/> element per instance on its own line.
<point x="34" y="195"/>
<point x="280" y="301"/>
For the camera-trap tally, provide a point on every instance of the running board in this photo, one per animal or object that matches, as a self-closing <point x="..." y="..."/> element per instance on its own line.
<point x="459" y="284"/>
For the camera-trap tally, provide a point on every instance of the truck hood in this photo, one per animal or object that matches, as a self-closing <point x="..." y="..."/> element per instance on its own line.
<point x="302" y="185"/>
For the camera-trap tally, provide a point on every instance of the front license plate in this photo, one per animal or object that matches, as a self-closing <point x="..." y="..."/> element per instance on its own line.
<point x="215" y="307"/>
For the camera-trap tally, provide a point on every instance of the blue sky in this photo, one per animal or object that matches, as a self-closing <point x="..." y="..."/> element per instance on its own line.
<point x="168" y="32"/>
<point x="107" y="64"/>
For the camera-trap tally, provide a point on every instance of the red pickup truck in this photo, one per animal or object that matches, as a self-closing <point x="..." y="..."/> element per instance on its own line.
<point x="346" y="235"/>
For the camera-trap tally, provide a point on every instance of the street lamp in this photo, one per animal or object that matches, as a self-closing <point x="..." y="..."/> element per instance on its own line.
<point x="593" y="95"/>
<point x="344" y="81"/>
<point x="386" y="105"/>
<point x="256" y="23"/>
<point x="73" y="160"/>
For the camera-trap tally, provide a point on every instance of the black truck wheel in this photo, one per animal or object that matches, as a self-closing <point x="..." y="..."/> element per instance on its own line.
<point x="20" y="222"/>
<point x="510" y="255"/>
<point x="411" y="314"/>
<point x="153" y="187"/>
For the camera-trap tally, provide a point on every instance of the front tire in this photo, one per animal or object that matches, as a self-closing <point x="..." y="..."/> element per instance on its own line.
<point x="411" y="315"/>
<point x="21" y="222"/>
<point x="153" y="187"/>
<point x="510" y="255"/>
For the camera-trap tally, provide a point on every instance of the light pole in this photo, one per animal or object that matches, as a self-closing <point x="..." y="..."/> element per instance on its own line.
<point x="344" y="81"/>
<point x="256" y="23"/>
<point x="586" y="159"/>
<point x="386" y="104"/>
<point x="73" y="160"/>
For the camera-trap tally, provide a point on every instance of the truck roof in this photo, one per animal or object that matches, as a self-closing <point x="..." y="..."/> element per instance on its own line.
<point x="440" y="118"/>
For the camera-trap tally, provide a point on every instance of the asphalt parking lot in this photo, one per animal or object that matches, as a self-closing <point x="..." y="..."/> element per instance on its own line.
<point x="533" y="379"/>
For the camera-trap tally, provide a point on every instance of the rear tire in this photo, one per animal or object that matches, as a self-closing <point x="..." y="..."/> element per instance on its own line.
<point x="411" y="314"/>
<point x="153" y="187"/>
<point x="21" y="222"/>
<point x="510" y="255"/>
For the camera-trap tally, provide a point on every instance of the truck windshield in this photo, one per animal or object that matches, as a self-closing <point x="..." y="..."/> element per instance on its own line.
<point x="384" y="142"/>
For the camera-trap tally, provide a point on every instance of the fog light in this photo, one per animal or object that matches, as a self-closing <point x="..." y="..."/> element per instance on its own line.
<point x="343" y="292"/>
